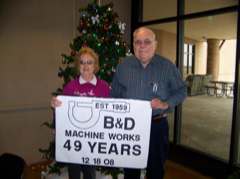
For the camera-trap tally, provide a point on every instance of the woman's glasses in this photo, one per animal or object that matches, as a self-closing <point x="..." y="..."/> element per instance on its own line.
<point x="89" y="62"/>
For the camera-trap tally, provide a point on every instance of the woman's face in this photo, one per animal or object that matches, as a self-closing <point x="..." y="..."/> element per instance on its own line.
<point x="86" y="66"/>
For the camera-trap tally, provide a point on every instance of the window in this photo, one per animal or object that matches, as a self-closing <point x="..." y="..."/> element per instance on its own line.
<point x="201" y="132"/>
<point x="188" y="59"/>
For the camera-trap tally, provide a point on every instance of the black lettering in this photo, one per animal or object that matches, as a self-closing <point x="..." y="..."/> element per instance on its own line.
<point x="92" y="146"/>
<point x="102" y="147"/>
<point x="113" y="149"/>
<point x="136" y="150"/>
<point x="106" y="105"/>
<point x="112" y="136"/>
<point x="128" y="126"/>
<point x="131" y="137"/>
<point x="125" y="148"/>
<point x="97" y="105"/>
<point x="75" y="134"/>
<point x="137" y="138"/>
<point x="119" y="137"/>
<point x="68" y="133"/>
<point x="108" y="122"/>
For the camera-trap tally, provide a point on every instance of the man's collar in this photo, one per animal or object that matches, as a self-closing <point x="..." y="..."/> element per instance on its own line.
<point x="153" y="60"/>
<point x="93" y="81"/>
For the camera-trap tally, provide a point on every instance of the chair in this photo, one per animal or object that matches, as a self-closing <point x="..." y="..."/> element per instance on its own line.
<point x="194" y="83"/>
<point x="11" y="166"/>
<point x="206" y="82"/>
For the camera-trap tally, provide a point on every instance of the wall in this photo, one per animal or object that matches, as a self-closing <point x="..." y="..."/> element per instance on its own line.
<point x="33" y="36"/>
<point x="166" y="44"/>
<point x="200" y="65"/>
<point x="227" y="61"/>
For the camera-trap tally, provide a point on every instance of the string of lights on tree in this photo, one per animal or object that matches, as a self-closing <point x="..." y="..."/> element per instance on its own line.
<point x="99" y="28"/>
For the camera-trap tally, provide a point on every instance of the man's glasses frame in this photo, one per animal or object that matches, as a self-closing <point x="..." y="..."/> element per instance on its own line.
<point x="145" y="42"/>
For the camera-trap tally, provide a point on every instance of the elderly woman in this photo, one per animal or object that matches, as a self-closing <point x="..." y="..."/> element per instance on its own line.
<point x="86" y="64"/>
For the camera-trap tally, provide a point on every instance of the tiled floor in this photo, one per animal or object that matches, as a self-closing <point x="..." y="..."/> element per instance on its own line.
<point x="206" y="124"/>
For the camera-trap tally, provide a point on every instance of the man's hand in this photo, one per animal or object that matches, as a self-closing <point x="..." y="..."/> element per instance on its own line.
<point x="158" y="104"/>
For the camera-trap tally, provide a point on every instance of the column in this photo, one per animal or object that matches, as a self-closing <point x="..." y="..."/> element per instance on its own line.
<point x="213" y="56"/>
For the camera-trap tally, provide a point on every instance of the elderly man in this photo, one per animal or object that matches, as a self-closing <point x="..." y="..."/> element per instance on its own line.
<point x="148" y="76"/>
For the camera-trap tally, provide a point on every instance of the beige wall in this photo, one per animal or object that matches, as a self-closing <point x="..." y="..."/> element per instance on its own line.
<point x="166" y="44"/>
<point x="33" y="36"/>
<point x="227" y="61"/>
<point x="200" y="58"/>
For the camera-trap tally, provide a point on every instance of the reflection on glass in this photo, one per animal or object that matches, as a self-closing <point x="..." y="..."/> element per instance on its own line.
<point x="207" y="120"/>
<point x="193" y="6"/>
<point x="166" y="40"/>
<point x="155" y="9"/>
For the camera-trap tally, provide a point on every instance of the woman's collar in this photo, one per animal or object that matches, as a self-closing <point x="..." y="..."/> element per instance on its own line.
<point x="93" y="81"/>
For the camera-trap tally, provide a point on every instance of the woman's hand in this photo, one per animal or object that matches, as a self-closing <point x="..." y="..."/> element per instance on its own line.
<point x="158" y="104"/>
<point x="55" y="102"/>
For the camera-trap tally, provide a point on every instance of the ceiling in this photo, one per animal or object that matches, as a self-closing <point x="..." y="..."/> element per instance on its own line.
<point x="221" y="27"/>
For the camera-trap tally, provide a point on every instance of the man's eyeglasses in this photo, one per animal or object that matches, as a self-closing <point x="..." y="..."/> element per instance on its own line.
<point x="89" y="62"/>
<point x="145" y="42"/>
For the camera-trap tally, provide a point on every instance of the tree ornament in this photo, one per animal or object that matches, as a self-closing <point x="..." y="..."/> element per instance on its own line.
<point x="121" y="26"/>
<point x="73" y="53"/>
<point x="60" y="74"/>
<point x="128" y="53"/>
<point x="116" y="43"/>
<point x="105" y="27"/>
<point x="109" y="9"/>
<point x="63" y="61"/>
<point x="113" y="70"/>
<point x="95" y="19"/>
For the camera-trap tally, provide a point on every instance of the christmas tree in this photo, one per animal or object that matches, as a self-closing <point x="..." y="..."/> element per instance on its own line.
<point x="100" y="29"/>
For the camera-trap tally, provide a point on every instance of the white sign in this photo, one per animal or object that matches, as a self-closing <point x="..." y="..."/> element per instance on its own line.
<point x="103" y="132"/>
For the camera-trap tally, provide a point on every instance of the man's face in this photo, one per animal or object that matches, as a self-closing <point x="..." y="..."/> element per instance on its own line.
<point x="144" y="46"/>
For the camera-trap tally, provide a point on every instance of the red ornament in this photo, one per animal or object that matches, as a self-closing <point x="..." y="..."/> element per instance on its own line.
<point x="73" y="53"/>
<point x="105" y="27"/>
